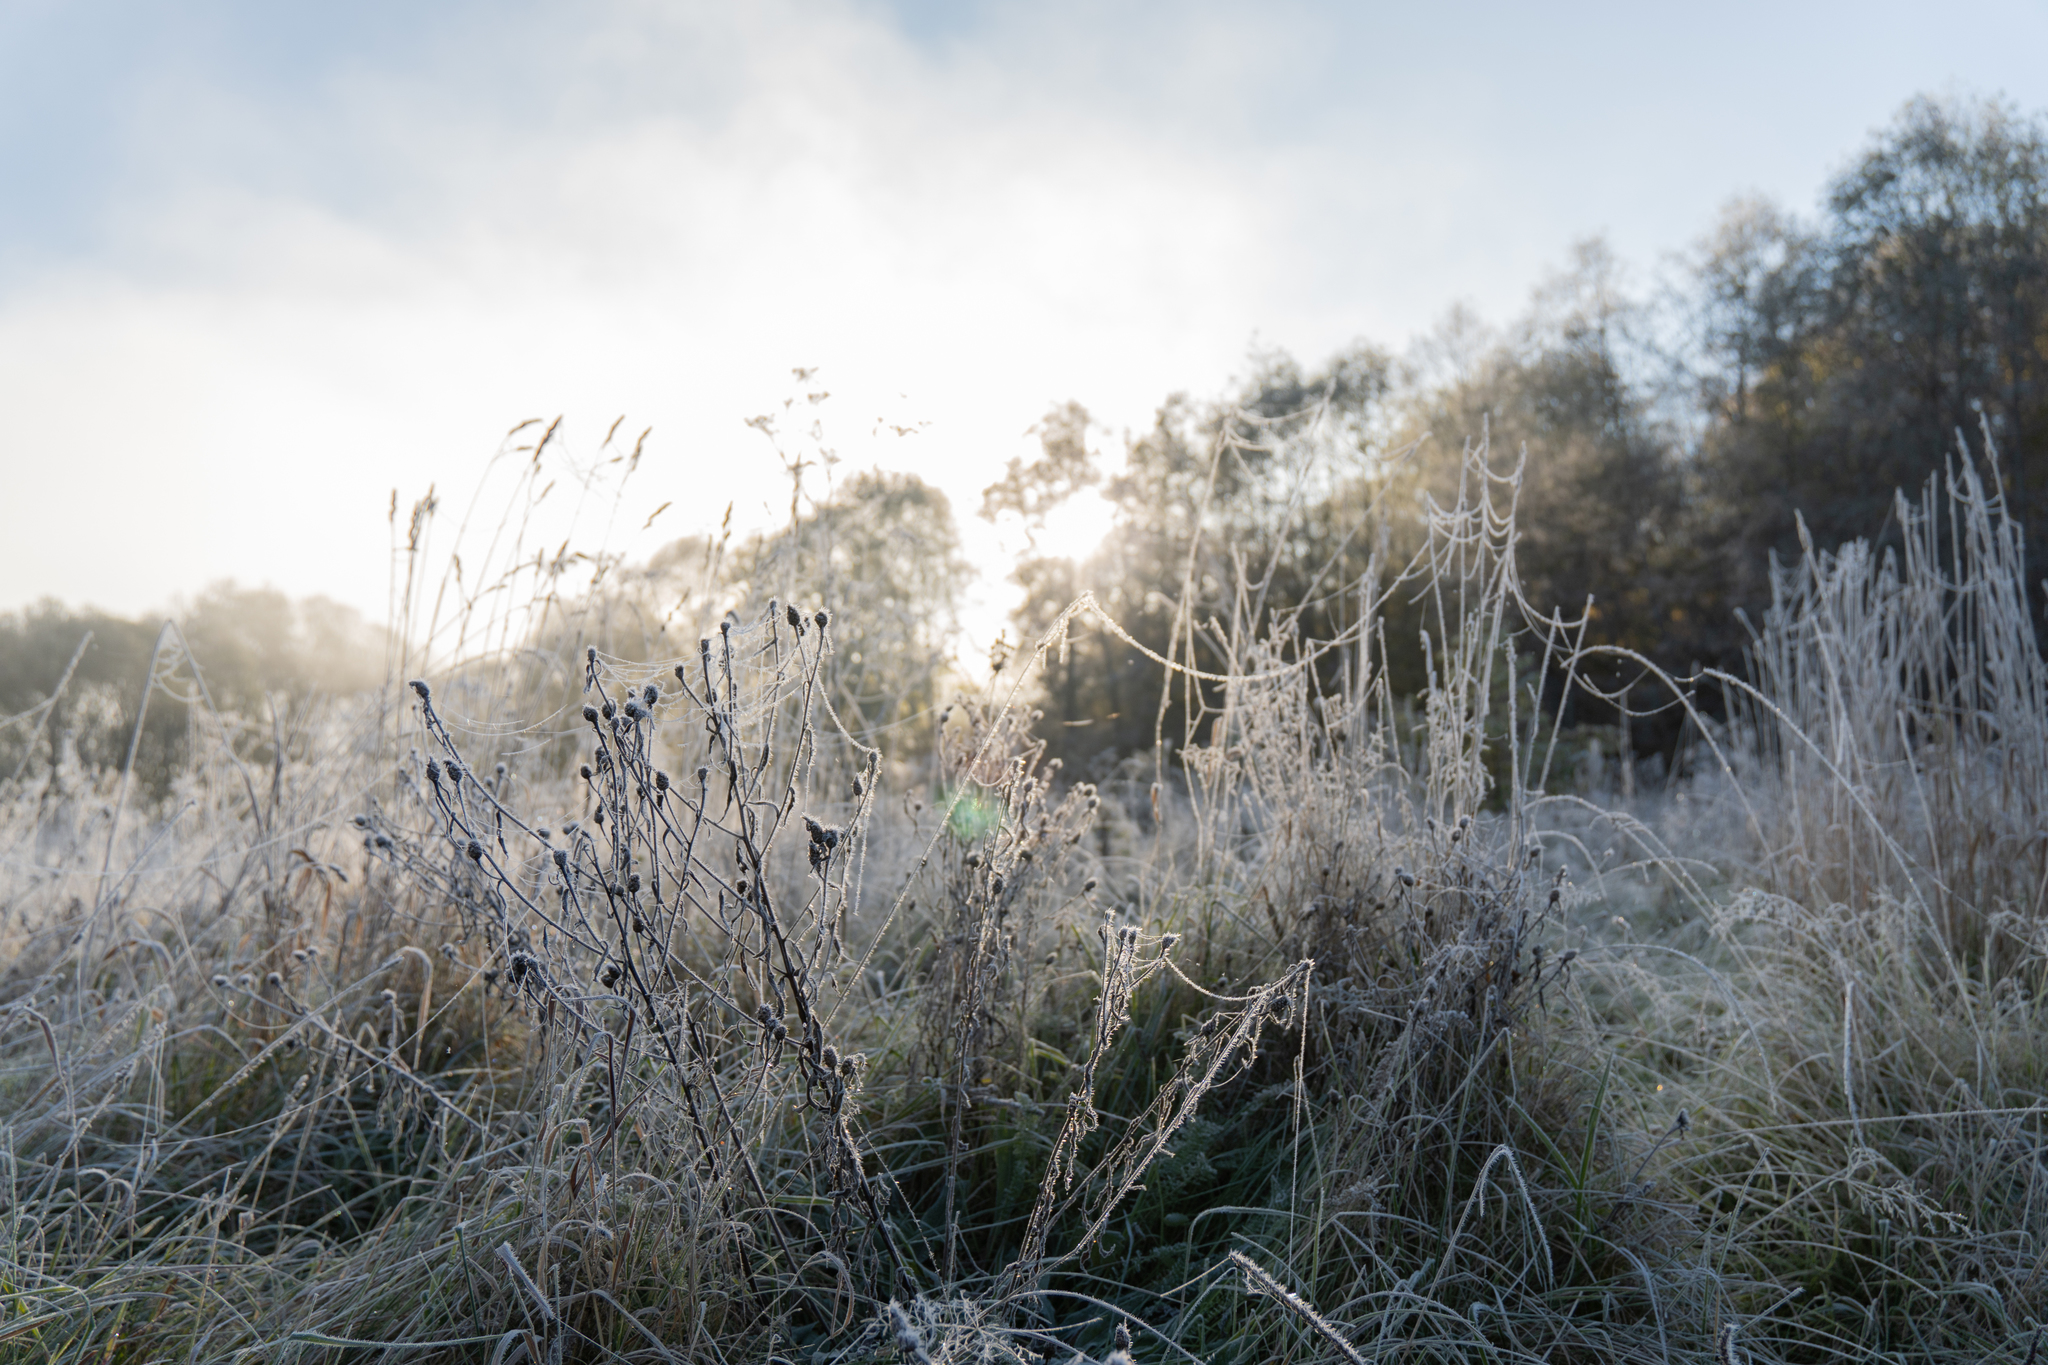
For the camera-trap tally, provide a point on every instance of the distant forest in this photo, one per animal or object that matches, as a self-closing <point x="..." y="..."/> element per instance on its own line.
<point x="1782" y="380"/>
<point x="1789" y="373"/>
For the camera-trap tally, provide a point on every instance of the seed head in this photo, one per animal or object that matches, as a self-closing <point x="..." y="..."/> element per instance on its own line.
<point x="419" y="685"/>
<point x="660" y="780"/>
<point x="476" y="851"/>
<point x="590" y="714"/>
<point x="829" y="1058"/>
<point x="650" y="694"/>
<point x="907" y="1339"/>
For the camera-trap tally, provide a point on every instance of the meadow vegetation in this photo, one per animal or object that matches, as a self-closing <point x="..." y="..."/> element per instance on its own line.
<point x="567" y="1005"/>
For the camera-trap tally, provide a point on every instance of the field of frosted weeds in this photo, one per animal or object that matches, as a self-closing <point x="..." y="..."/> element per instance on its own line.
<point x="646" y="1015"/>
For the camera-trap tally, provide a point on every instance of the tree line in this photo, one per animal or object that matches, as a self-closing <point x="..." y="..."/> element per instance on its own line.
<point x="1782" y="378"/>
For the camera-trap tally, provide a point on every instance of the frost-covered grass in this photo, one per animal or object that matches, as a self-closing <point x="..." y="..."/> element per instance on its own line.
<point x="642" y="1013"/>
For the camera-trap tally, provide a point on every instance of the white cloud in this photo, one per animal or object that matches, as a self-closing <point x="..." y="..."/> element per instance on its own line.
<point x="242" y="387"/>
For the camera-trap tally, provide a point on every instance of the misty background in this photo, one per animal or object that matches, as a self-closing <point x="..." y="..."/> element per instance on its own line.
<point x="1000" y="275"/>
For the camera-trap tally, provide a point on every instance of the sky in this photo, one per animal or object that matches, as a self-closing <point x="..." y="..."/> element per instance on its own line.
<point x="263" y="265"/>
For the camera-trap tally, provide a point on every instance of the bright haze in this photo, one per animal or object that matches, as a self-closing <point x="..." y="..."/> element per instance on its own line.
<point x="262" y="264"/>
